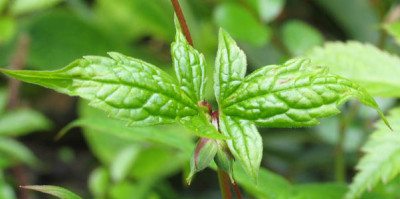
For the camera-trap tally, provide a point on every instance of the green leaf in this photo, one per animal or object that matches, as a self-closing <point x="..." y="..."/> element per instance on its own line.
<point x="79" y="37"/>
<point x="6" y="191"/>
<point x="245" y="143"/>
<point x="53" y="190"/>
<point x="270" y="185"/>
<point x="189" y="66"/>
<point x="381" y="161"/>
<point x="230" y="67"/>
<point x="22" y="121"/>
<point x="359" y="63"/>
<point x="8" y="29"/>
<point x="16" y="152"/>
<point x="19" y="7"/>
<point x="126" y="88"/>
<point x="123" y="162"/>
<point x="294" y="94"/>
<point x="268" y="9"/>
<point x="99" y="181"/>
<point x="241" y="24"/>
<point x="299" y="36"/>
<point x="394" y="30"/>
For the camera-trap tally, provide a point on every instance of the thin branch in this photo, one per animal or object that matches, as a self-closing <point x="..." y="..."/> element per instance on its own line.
<point x="17" y="63"/>
<point x="182" y="21"/>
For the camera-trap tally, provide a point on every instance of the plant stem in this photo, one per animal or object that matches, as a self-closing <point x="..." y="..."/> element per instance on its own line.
<point x="340" y="161"/>
<point x="223" y="177"/>
<point x="237" y="191"/>
<point x="17" y="63"/>
<point x="182" y="21"/>
<point x="224" y="184"/>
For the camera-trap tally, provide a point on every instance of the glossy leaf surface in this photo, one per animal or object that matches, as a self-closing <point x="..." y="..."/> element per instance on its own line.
<point x="294" y="94"/>
<point x="230" y="67"/>
<point x="126" y="88"/>
<point x="189" y="66"/>
<point x="245" y="143"/>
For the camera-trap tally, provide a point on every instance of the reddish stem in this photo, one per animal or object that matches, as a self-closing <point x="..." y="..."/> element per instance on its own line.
<point x="182" y="21"/>
<point x="224" y="184"/>
<point x="237" y="191"/>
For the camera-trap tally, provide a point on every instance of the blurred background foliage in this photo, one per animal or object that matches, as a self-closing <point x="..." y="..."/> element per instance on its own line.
<point x="104" y="159"/>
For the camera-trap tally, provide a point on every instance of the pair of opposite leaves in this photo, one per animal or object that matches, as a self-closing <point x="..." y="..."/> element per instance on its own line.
<point x="293" y="94"/>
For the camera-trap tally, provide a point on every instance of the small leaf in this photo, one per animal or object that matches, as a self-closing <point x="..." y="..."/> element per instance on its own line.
<point x="6" y="191"/>
<point x="241" y="24"/>
<point x="359" y="62"/>
<point x="19" y="7"/>
<point x="16" y="152"/>
<point x="270" y="9"/>
<point x="126" y="88"/>
<point x="53" y="190"/>
<point x="99" y="181"/>
<point x="394" y="30"/>
<point x="230" y="67"/>
<point x="381" y="161"/>
<point x="294" y="94"/>
<point x="123" y="162"/>
<point x="22" y="121"/>
<point x="245" y="145"/>
<point x="189" y="66"/>
<point x="299" y="36"/>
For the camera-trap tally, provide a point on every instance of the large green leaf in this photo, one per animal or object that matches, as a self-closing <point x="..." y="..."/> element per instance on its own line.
<point x="230" y="67"/>
<point x="126" y="88"/>
<point x="294" y="94"/>
<point x="22" y="121"/>
<point x="245" y="143"/>
<point x="239" y="22"/>
<point x="382" y="159"/>
<point x="189" y="66"/>
<point x="54" y="191"/>
<point x="374" y="69"/>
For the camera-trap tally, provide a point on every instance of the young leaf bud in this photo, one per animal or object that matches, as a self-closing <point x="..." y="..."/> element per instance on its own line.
<point x="224" y="159"/>
<point x="202" y="156"/>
